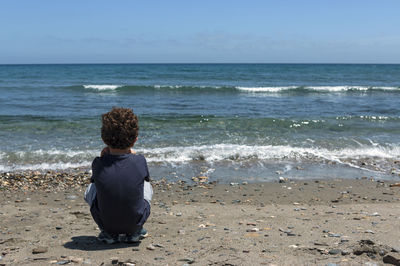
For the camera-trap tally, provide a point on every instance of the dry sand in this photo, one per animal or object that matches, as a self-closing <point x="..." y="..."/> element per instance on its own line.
<point x="315" y="222"/>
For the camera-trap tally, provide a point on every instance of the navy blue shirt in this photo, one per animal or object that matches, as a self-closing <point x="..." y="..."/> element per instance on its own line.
<point x="119" y="206"/>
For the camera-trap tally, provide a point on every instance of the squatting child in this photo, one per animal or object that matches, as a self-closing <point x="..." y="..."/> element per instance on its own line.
<point x="120" y="192"/>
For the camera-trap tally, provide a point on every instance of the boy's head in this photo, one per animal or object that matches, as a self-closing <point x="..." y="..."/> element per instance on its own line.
<point x="120" y="128"/>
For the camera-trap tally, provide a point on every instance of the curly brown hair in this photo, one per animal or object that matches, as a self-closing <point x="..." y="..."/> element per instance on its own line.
<point x="120" y="128"/>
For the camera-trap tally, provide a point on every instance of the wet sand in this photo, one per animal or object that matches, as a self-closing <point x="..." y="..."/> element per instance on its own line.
<point x="314" y="222"/>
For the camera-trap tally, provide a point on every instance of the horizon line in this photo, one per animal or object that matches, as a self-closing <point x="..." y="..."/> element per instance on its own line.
<point x="197" y="63"/>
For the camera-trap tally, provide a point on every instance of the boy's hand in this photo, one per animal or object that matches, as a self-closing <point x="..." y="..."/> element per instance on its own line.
<point x="132" y="151"/>
<point x="105" y="151"/>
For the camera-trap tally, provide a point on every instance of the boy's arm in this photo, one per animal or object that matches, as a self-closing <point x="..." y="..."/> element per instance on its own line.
<point x="93" y="171"/>
<point x="147" y="177"/>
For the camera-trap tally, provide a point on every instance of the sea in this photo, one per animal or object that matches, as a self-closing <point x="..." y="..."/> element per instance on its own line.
<point x="229" y="122"/>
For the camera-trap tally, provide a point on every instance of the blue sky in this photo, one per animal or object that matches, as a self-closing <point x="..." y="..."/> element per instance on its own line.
<point x="307" y="31"/>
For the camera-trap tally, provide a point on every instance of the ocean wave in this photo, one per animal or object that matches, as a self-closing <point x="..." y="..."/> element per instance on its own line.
<point x="233" y="153"/>
<point x="44" y="166"/>
<point x="102" y="87"/>
<point x="266" y="89"/>
<point x="235" y="89"/>
<point x="317" y="89"/>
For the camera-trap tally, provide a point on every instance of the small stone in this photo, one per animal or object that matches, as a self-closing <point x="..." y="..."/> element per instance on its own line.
<point x="396" y="249"/>
<point x="334" y="235"/>
<point x="76" y="260"/>
<point x="346" y="252"/>
<point x="181" y="232"/>
<point x="344" y="239"/>
<point x="187" y="260"/>
<point x="38" y="250"/>
<point x="282" y="179"/>
<point x="382" y="252"/>
<point x="178" y="214"/>
<point x="71" y="197"/>
<point x="370" y="263"/>
<point x="335" y="251"/>
<point x="151" y="247"/>
<point x="369" y="231"/>
<point x="392" y="259"/>
<point x="58" y="227"/>
<point x="63" y="262"/>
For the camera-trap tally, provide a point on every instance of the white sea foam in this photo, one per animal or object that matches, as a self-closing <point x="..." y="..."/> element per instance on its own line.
<point x="208" y="153"/>
<point x="44" y="166"/>
<point x="338" y="88"/>
<point x="221" y="152"/>
<point x="54" y="152"/>
<point x="316" y="88"/>
<point x="102" y="87"/>
<point x="386" y="88"/>
<point x="266" y="89"/>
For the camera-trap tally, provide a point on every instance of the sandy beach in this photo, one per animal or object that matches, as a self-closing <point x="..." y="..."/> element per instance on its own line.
<point x="313" y="222"/>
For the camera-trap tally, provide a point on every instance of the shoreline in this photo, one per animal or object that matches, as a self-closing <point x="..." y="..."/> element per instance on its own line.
<point x="79" y="177"/>
<point x="342" y="221"/>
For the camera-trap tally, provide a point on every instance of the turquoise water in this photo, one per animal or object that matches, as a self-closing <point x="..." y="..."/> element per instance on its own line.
<point x="228" y="121"/>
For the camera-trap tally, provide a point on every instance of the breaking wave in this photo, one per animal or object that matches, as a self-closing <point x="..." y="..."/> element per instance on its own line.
<point x="317" y="89"/>
<point x="241" y="89"/>
<point x="230" y="153"/>
<point x="102" y="87"/>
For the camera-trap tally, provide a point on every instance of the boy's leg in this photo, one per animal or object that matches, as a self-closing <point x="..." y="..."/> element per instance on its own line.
<point x="90" y="194"/>
<point x="148" y="191"/>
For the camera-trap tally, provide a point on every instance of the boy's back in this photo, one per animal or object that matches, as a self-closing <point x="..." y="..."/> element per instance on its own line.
<point x="119" y="195"/>
<point x="119" y="180"/>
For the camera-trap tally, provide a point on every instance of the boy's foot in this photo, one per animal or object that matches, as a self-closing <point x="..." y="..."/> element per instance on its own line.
<point x="134" y="238"/>
<point x="143" y="233"/>
<point x="106" y="238"/>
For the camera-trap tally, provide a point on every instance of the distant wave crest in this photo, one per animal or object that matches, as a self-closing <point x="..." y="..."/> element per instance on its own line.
<point x="102" y="87"/>
<point x="317" y="88"/>
<point x="241" y="89"/>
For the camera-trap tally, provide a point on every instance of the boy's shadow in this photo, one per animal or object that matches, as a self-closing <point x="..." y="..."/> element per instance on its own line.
<point x="91" y="243"/>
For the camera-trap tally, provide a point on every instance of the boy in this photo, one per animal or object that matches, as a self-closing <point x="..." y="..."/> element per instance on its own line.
<point x="120" y="192"/>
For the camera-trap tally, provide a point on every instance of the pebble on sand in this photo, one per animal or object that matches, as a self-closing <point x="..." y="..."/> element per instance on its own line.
<point x="151" y="247"/>
<point x="39" y="250"/>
